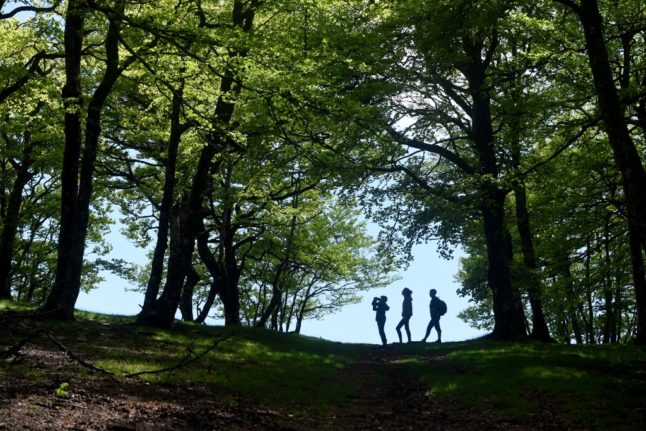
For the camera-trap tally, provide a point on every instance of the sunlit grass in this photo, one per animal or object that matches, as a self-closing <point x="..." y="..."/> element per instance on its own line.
<point x="515" y="379"/>
<point x="594" y="387"/>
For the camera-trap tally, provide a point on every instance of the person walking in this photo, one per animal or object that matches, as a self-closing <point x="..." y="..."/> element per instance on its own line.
<point x="407" y="312"/>
<point x="438" y="309"/>
<point x="380" y="306"/>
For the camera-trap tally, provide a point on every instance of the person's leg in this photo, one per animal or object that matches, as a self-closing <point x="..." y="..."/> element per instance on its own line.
<point x="407" y="328"/>
<point x="382" y="333"/>
<point x="439" y="330"/>
<point x="398" y="328"/>
<point x="428" y="330"/>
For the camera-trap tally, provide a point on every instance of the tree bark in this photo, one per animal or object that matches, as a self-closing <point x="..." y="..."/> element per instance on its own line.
<point x="76" y="199"/>
<point x="539" y="326"/>
<point x="509" y="319"/>
<point x="191" y="209"/>
<point x="60" y="302"/>
<point x="639" y="280"/>
<point x="12" y="216"/>
<point x="626" y="155"/>
<point x="186" y="302"/>
<point x="166" y="206"/>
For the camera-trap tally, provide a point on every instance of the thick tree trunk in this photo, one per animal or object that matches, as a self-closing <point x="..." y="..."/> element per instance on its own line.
<point x="12" y="216"/>
<point x="509" y="319"/>
<point x="74" y="220"/>
<point x="60" y="298"/>
<point x="224" y="271"/>
<point x="230" y="297"/>
<point x="165" y="208"/>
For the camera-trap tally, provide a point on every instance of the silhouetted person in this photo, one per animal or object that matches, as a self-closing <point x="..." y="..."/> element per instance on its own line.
<point x="437" y="308"/>
<point x="379" y="305"/>
<point x="407" y="312"/>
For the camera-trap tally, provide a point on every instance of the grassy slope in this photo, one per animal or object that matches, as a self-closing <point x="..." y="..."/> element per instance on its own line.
<point x="591" y="386"/>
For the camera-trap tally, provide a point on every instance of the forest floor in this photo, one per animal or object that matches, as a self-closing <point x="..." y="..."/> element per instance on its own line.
<point x="388" y="399"/>
<point x="46" y="384"/>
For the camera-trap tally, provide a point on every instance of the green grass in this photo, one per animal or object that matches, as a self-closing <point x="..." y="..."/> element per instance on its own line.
<point x="592" y="386"/>
<point x="277" y="369"/>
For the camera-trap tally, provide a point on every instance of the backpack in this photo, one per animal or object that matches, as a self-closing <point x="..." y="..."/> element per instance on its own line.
<point x="441" y="307"/>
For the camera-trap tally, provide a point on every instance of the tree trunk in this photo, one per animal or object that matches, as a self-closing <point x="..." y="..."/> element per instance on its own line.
<point x="12" y="216"/>
<point x="191" y="211"/>
<point x="509" y="319"/>
<point x="539" y="326"/>
<point x="588" y="293"/>
<point x="277" y="291"/>
<point x="186" y="301"/>
<point x="57" y="301"/>
<point x="214" y="269"/>
<point x="571" y="299"/>
<point x="162" y="313"/>
<point x="639" y="280"/>
<point x="626" y="155"/>
<point x="165" y="208"/>
<point x="76" y="201"/>
<point x="210" y="299"/>
<point x="607" y="285"/>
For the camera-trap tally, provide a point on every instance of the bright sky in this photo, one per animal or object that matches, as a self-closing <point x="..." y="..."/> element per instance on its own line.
<point x="354" y="323"/>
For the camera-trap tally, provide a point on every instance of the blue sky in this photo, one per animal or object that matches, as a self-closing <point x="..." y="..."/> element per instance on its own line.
<point x="354" y="323"/>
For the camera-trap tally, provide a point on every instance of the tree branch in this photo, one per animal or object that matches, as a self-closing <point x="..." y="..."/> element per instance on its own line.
<point x="432" y="148"/>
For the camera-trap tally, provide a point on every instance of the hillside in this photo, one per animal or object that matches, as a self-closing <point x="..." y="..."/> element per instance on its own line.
<point x="104" y="373"/>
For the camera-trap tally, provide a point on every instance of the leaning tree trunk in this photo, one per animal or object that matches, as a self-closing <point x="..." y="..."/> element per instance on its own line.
<point x="165" y="208"/>
<point x="626" y="155"/>
<point x="215" y="270"/>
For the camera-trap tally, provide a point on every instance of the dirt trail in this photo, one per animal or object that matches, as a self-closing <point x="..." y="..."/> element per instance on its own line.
<point x="391" y="399"/>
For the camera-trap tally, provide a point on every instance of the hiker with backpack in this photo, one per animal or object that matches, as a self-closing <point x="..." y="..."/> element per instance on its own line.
<point x="438" y="309"/>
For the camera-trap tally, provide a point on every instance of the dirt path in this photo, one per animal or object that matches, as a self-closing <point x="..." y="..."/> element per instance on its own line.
<point x="391" y="399"/>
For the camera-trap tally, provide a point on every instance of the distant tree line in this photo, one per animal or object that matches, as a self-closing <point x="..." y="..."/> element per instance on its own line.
<point x="243" y="140"/>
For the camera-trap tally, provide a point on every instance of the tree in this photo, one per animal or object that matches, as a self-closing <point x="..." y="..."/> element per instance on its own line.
<point x="451" y="74"/>
<point x="190" y="210"/>
<point x="80" y="152"/>
<point x="626" y="155"/>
